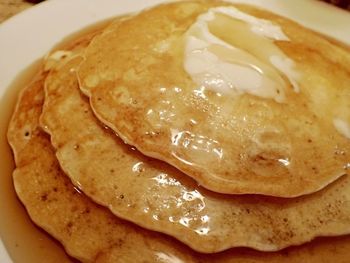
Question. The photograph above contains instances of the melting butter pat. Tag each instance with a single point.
(54, 58)
(243, 60)
(342, 127)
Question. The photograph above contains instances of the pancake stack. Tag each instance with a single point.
(195, 131)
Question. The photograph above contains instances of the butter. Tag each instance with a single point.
(54, 58)
(243, 60)
(60, 54)
(342, 127)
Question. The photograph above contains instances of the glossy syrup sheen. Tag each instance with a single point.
(23, 240)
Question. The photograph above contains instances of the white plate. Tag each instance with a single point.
(30, 35)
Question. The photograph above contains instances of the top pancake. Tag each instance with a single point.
(237, 143)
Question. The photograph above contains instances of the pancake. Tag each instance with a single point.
(156, 196)
(91, 233)
(263, 110)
